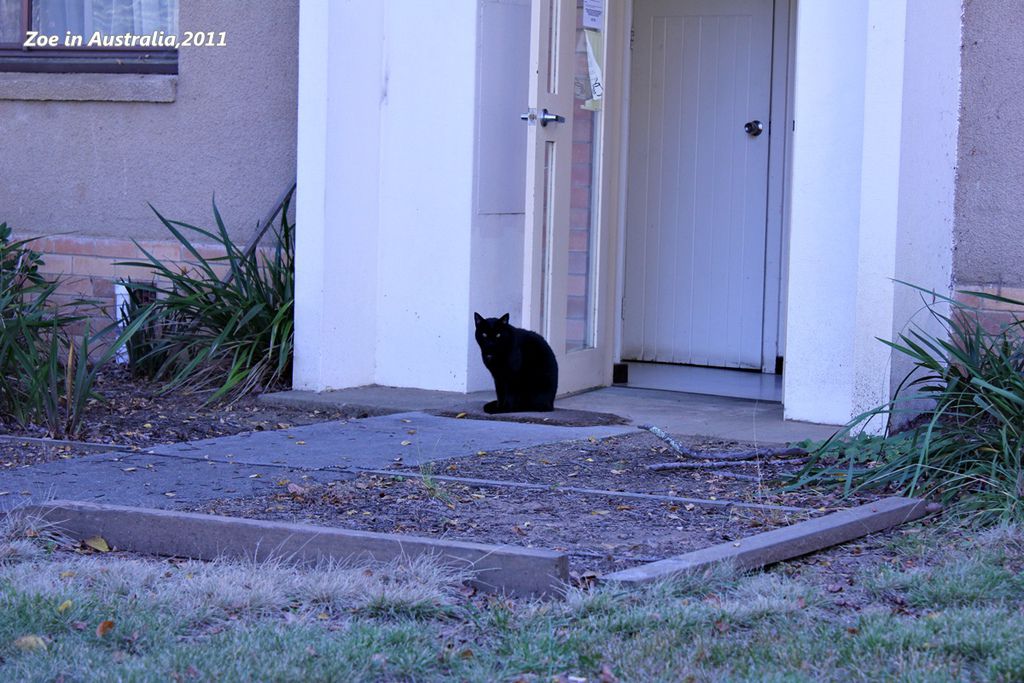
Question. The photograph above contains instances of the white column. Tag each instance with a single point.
(844, 206)
(385, 199)
(931, 109)
(341, 47)
(428, 111)
(879, 204)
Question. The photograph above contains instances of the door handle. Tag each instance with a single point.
(545, 117)
(753, 128)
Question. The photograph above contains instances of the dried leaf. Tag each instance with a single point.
(104, 627)
(30, 643)
(129, 469)
(599, 512)
(606, 675)
(460, 415)
(64, 607)
(97, 543)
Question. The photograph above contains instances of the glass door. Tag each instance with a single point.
(568, 267)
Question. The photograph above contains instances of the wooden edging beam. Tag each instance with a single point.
(785, 543)
(497, 568)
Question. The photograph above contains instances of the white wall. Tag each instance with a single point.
(412, 183)
(931, 93)
(859, 206)
(426, 190)
(500, 179)
(338, 203)
(828, 110)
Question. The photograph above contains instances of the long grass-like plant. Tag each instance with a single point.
(967, 447)
(47, 372)
(232, 332)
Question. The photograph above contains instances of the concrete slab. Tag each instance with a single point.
(375, 400)
(525, 572)
(785, 543)
(410, 438)
(561, 417)
(675, 412)
(146, 480)
(698, 414)
(251, 464)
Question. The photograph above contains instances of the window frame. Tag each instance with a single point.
(14, 57)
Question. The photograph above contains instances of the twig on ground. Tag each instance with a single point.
(658, 467)
(717, 503)
(752, 477)
(733, 455)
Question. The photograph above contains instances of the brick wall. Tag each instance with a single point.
(994, 315)
(86, 265)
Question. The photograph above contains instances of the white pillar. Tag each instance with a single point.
(384, 205)
(844, 206)
(340, 76)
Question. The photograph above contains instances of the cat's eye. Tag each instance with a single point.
(484, 335)
(497, 335)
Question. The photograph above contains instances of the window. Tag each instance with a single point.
(97, 36)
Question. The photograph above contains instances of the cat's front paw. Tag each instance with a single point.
(491, 408)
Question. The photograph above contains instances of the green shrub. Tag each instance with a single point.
(967, 448)
(233, 334)
(47, 374)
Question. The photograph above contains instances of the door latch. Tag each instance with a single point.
(545, 117)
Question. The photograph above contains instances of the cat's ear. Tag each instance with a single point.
(478, 318)
(503, 319)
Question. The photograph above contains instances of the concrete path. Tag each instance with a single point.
(177, 475)
(722, 417)
(675, 412)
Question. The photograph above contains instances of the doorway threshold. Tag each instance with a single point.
(711, 381)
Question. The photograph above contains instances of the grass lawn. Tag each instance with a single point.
(944, 604)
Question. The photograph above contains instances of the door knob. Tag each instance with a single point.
(545, 117)
(753, 128)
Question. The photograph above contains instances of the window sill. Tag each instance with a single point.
(85, 87)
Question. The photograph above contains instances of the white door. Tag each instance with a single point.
(568, 288)
(695, 229)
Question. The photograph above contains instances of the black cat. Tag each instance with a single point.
(523, 366)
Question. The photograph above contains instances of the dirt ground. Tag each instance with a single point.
(600, 532)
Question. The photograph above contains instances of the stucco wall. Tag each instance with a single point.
(89, 168)
(989, 230)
